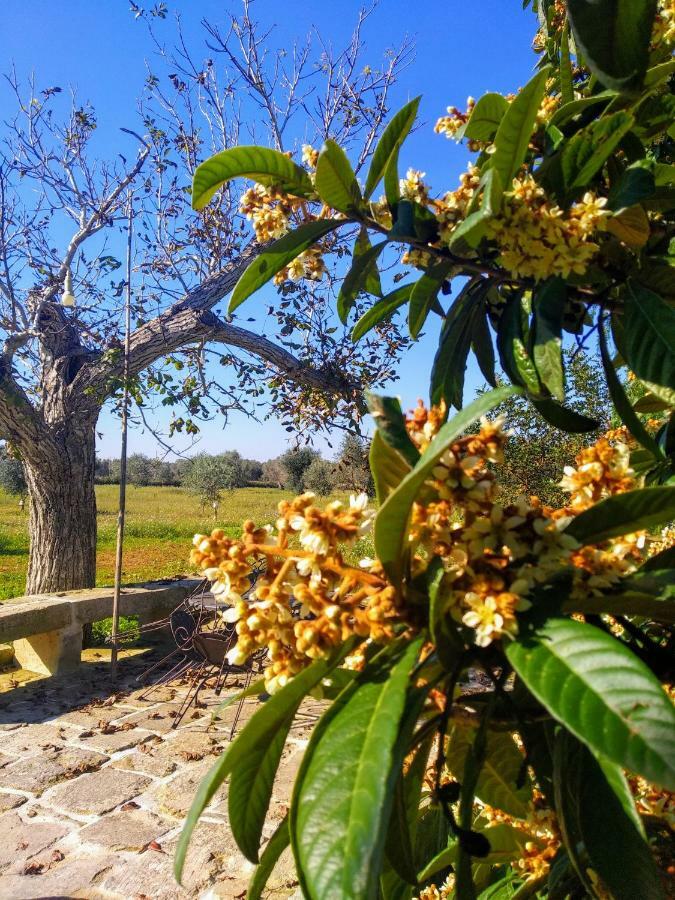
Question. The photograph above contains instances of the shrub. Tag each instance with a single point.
(320, 477)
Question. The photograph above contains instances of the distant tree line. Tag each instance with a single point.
(208, 475)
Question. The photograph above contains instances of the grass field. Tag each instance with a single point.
(160, 524)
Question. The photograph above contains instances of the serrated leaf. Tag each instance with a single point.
(566, 77)
(381, 311)
(515, 129)
(601, 692)
(274, 257)
(265, 166)
(501, 769)
(392, 518)
(649, 336)
(447, 373)
(355, 279)
(485, 118)
(268, 860)
(568, 111)
(646, 508)
(253, 740)
(389, 144)
(587, 801)
(548, 308)
(335, 181)
(342, 797)
(583, 155)
(513, 355)
(614, 38)
(390, 422)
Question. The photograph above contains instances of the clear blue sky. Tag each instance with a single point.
(463, 47)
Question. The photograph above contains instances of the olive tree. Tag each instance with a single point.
(62, 206)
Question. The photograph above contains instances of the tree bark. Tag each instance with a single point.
(62, 522)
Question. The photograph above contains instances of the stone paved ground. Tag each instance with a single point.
(94, 788)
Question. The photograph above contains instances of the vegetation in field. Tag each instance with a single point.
(161, 522)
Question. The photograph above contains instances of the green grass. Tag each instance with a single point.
(161, 522)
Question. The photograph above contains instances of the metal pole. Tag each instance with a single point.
(123, 458)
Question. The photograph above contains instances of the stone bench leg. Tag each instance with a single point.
(52, 652)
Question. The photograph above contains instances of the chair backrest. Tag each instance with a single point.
(183, 628)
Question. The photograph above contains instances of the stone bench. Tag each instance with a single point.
(46, 629)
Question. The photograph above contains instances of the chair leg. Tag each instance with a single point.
(240, 705)
(179, 669)
(193, 690)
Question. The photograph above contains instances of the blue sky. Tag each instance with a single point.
(462, 48)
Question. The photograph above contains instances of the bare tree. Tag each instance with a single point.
(61, 212)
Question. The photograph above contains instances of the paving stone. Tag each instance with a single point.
(99, 792)
(113, 743)
(148, 875)
(10, 801)
(89, 716)
(33, 739)
(167, 754)
(4, 760)
(176, 796)
(36, 775)
(69, 878)
(159, 719)
(21, 840)
(212, 854)
(130, 829)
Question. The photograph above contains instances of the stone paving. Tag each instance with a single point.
(94, 788)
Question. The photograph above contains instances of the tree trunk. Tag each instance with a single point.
(62, 524)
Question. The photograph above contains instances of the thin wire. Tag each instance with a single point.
(123, 459)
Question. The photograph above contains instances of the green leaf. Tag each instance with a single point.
(481, 344)
(506, 844)
(485, 118)
(389, 144)
(568, 111)
(635, 185)
(381, 311)
(564, 418)
(472, 229)
(343, 792)
(515, 129)
(614, 38)
(392, 518)
(663, 560)
(390, 421)
(583, 156)
(399, 844)
(252, 741)
(645, 508)
(622, 403)
(602, 693)
(501, 769)
(423, 296)
(335, 181)
(588, 802)
(548, 308)
(356, 278)
(392, 184)
(372, 283)
(268, 860)
(268, 167)
(255, 687)
(649, 336)
(274, 257)
(648, 594)
(513, 355)
(447, 373)
(388, 467)
(566, 78)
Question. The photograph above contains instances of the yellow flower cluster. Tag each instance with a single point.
(308, 600)
(452, 208)
(268, 209)
(413, 186)
(492, 554)
(310, 265)
(663, 34)
(449, 125)
(538, 240)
